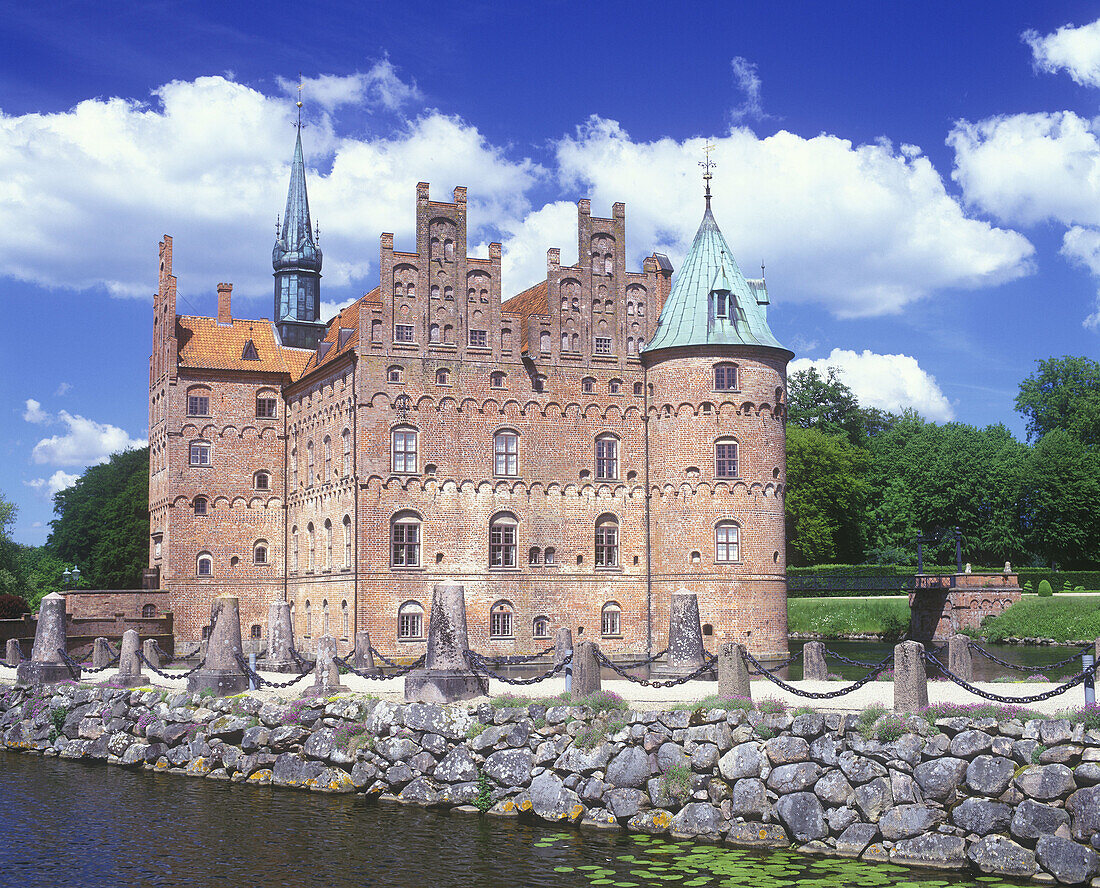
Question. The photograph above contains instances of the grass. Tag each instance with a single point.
(600, 701)
(829, 618)
(1062, 619)
(767, 705)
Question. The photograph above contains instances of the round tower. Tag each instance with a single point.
(716, 398)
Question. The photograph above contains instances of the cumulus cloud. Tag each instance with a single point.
(1082, 247)
(57, 482)
(33, 412)
(1071, 49)
(748, 83)
(85, 442)
(887, 382)
(379, 87)
(863, 229)
(63, 389)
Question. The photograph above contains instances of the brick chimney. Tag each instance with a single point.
(225, 293)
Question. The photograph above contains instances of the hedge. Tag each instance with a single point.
(1086, 579)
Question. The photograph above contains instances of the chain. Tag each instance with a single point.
(379, 676)
(260, 681)
(481, 664)
(163, 674)
(646, 661)
(70, 664)
(974, 647)
(303, 664)
(843, 659)
(708, 664)
(998, 698)
(779, 666)
(518, 659)
(826, 695)
(387, 660)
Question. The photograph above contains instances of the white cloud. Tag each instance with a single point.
(85, 443)
(63, 389)
(1071, 49)
(58, 481)
(863, 229)
(1082, 247)
(887, 382)
(329, 310)
(378, 87)
(748, 82)
(34, 412)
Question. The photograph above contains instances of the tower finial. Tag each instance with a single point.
(299, 102)
(707, 166)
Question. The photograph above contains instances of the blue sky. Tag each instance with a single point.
(922, 181)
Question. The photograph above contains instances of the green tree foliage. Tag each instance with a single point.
(44, 573)
(102, 522)
(12, 580)
(824, 403)
(826, 494)
(1063, 394)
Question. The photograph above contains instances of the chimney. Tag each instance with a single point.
(225, 314)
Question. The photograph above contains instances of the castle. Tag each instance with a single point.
(571, 455)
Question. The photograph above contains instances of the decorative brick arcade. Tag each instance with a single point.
(941, 606)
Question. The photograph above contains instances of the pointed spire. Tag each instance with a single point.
(295, 246)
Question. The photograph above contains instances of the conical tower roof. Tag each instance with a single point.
(296, 247)
(712, 303)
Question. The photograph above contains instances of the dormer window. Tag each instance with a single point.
(721, 304)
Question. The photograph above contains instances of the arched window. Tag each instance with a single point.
(311, 539)
(148, 611)
(435, 291)
(324, 617)
(727, 542)
(328, 459)
(502, 540)
(607, 541)
(588, 385)
(294, 468)
(410, 291)
(638, 390)
(404, 450)
(259, 552)
(347, 541)
(200, 505)
(433, 333)
(266, 405)
(375, 331)
(595, 263)
(725, 458)
(496, 379)
(544, 342)
(294, 549)
(309, 620)
(395, 374)
(611, 622)
(328, 544)
(565, 342)
(597, 305)
(564, 303)
(204, 565)
(506, 453)
(405, 539)
(540, 627)
(549, 556)
(575, 345)
(538, 384)
(448, 294)
(725, 377)
(262, 481)
(615, 387)
(442, 376)
(448, 249)
(347, 452)
(500, 620)
(344, 621)
(434, 248)
(607, 263)
(607, 456)
(630, 309)
(721, 303)
(534, 556)
(309, 464)
(410, 621)
(255, 632)
(200, 453)
(448, 334)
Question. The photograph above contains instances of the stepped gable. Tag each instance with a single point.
(532, 301)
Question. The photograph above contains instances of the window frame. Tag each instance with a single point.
(406, 433)
(508, 458)
(603, 346)
(415, 620)
(721, 373)
(478, 338)
(611, 620)
(266, 476)
(203, 398)
(207, 559)
(410, 548)
(722, 469)
(503, 541)
(540, 627)
(502, 623)
(266, 399)
(205, 452)
(723, 547)
(606, 466)
(606, 540)
(258, 547)
(405, 334)
(497, 379)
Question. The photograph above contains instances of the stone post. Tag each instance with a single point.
(101, 653)
(813, 662)
(733, 671)
(149, 649)
(280, 638)
(129, 664)
(685, 635)
(222, 671)
(910, 677)
(14, 653)
(364, 654)
(958, 657)
(326, 671)
(446, 676)
(563, 644)
(586, 669)
(45, 665)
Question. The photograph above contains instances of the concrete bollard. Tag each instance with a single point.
(813, 662)
(446, 676)
(364, 656)
(326, 671)
(685, 636)
(129, 664)
(959, 660)
(45, 665)
(586, 669)
(14, 653)
(733, 671)
(280, 638)
(149, 649)
(222, 672)
(101, 653)
(910, 677)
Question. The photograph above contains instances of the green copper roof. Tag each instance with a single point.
(711, 302)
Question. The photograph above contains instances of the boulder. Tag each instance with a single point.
(786, 750)
(906, 821)
(1033, 819)
(873, 798)
(1000, 856)
(934, 850)
(803, 816)
(630, 768)
(654, 823)
(421, 791)
(1054, 731)
(939, 778)
(839, 819)
(982, 817)
(989, 775)
(855, 839)
(750, 798)
(457, 766)
(550, 800)
(967, 744)
(1045, 782)
(509, 767)
(1067, 861)
(334, 780)
(834, 788)
(624, 803)
(794, 778)
(1084, 807)
(859, 769)
(753, 834)
(743, 760)
(698, 820)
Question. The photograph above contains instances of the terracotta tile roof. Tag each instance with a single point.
(348, 318)
(204, 343)
(532, 301)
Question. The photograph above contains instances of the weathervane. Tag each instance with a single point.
(299, 102)
(707, 166)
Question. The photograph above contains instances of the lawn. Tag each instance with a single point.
(838, 618)
(1062, 619)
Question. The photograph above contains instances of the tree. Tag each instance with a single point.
(1063, 394)
(12, 580)
(102, 522)
(826, 403)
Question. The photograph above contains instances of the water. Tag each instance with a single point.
(68, 823)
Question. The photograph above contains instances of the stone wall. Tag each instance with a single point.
(943, 606)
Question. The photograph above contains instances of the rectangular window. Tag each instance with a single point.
(603, 345)
(265, 408)
(403, 333)
(725, 460)
(410, 625)
(609, 622)
(200, 454)
(607, 545)
(500, 624)
(726, 543)
(198, 405)
(406, 545)
(479, 339)
(607, 458)
(502, 545)
(404, 451)
(506, 454)
(725, 378)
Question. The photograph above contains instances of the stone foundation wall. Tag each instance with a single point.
(962, 794)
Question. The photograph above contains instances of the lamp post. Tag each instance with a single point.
(71, 577)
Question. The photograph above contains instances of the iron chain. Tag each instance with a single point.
(517, 659)
(825, 695)
(386, 659)
(1032, 669)
(481, 664)
(708, 664)
(849, 661)
(163, 674)
(260, 681)
(998, 698)
(378, 676)
(778, 666)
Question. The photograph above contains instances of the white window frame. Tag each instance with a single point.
(201, 454)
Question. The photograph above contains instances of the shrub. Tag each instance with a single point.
(484, 800)
(865, 724)
(771, 706)
(676, 781)
(12, 607)
(1045, 591)
(713, 701)
(1027, 587)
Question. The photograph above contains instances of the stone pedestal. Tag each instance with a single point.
(813, 662)
(129, 664)
(910, 677)
(149, 649)
(733, 671)
(586, 669)
(280, 639)
(446, 676)
(958, 657)
(364, 657)
(45, 665)
(14, 653)
(101, 653)
(326, 672)
(563, 644)
(685, 638)
(222, 673)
